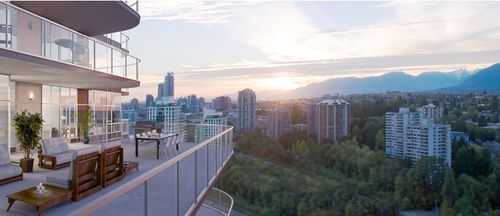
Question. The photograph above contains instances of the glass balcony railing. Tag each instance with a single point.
(25, 32)
(219, 201)
(134, 4)
(175, 186)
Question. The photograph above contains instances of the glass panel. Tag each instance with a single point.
(102, 58)
(118, 63)
(46, 114)
(26, 32)
(3, 25)
(4, 109)
(68, 113)
(12, 137)
(55, 130)
(58, 43)
(46, 91)
(131, 67)
(51, 111)
(4, 87)
(56, 95)
(84, 51)
(4, 120)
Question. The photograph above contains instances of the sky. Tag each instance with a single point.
(220, 48)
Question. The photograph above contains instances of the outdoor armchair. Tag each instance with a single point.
(8, 171)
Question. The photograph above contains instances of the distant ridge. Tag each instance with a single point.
(487, 79)
(394, 81)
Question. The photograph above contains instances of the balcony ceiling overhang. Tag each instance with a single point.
(27, 68)
(91, 18)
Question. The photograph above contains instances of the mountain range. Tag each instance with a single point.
(460, 81)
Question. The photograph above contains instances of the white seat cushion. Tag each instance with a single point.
(54, 145)
(4, 154)
(9, 171)
(104, 146)
(87, 150)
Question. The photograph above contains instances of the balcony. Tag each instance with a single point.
(217, 202)
(91, 18)
(37, 50)
(175, 184)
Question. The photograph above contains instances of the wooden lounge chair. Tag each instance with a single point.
(112, 169)
(55, 153)
(83, 177)
(8, 171)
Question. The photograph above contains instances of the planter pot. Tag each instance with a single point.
(86, 140)
(27, 164)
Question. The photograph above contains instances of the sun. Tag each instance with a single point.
(280, 83)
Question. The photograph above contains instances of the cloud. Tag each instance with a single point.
(204, 12)
(416, 28)
(296, 50)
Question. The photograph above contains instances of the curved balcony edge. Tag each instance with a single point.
(100, 17)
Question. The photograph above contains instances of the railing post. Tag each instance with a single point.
(196, 176)
(215, 171)
(146, 208)
(207, 165)
(112, 60)
(177, 189)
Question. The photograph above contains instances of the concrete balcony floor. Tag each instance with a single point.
(161, 188)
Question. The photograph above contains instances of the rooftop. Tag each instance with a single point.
(333, 102)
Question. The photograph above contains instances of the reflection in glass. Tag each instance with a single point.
(25, 32)
(4, 28)
(58, 43)
(102, 58)
(83, 51)
(118, 63)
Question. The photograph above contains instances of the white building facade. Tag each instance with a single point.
(167, 116)
(410, 136)
(431, 112)
(211, 124)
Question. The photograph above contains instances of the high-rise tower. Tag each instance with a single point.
(246, 111)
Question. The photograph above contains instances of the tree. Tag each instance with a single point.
(449, 191)
(380, 140)
(475, 162)
(473, 198)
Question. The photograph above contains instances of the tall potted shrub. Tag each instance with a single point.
(28, 132)
(85, 123)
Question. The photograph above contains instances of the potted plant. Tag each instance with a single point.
(28, 132)
(85, 123)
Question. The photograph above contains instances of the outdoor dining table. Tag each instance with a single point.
(157, 137)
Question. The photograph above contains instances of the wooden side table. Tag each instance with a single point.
(130, 165)
(53, 196)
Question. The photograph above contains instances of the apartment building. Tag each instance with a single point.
(431, 112)
(428, 140)
(247, 116)
(222, 103)
(311, 119)
(411, 136)
(332, 119)
(168, 117)
(211, 117)
(279, 123)
(57, 63)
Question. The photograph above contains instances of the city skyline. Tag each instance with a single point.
(330, 44)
